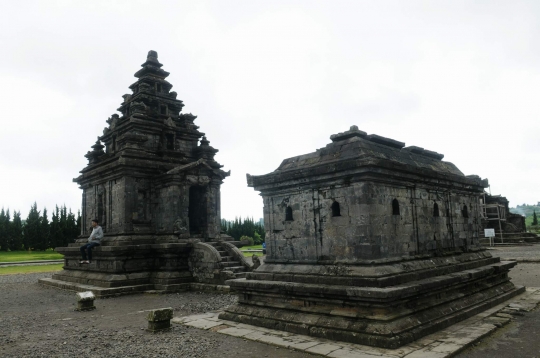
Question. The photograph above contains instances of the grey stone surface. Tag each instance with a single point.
(370, 242)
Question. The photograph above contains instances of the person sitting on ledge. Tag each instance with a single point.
(93, 241)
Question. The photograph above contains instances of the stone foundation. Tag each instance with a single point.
(119, 269)
(379, 305)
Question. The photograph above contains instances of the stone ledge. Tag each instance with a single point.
(101, 292)
(443, 344)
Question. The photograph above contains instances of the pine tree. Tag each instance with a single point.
(535, 219)
(246, 227)
(53, 237)
(31, 228)
(8, 229)
(44, 232)
(17, 232)
(3, 231)
(72, 231)
(63, 241)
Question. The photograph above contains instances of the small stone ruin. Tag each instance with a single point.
(159, 319)
(370, 242)
(85, 301)
(153, 184)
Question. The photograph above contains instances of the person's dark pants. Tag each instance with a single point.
(88, 247)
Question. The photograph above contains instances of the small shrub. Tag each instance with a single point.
(247, 238)
(257, 239)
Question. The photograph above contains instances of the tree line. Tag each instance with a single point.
(246, 227)
(37, 232)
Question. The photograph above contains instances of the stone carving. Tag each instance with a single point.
(180, 226)
(205, 263)
(378, 242)
(169, 122)
(256, 261)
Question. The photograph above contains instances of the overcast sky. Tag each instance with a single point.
(270, 80)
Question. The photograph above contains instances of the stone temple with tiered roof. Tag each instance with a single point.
(370, 242)
(154, 186)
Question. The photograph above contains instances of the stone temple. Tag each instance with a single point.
(154, 186)
(370, 242)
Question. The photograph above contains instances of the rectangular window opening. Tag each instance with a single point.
(170, 141)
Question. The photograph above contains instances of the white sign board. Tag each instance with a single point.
(489, 232)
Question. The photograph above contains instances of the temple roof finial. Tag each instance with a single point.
(152, 56)
(152, 61)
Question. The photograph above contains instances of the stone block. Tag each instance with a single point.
(85, 301)
(159, 319)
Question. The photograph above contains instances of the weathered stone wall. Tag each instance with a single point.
(205, 263)
(213, 211)
(116, 222)
(172, 204)
(366, 227)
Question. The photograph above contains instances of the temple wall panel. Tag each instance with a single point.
(117, 188)
(367, 226)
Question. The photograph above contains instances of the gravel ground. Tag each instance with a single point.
(37, 321)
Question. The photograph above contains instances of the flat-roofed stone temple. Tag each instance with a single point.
(370, 242)
(154, 186)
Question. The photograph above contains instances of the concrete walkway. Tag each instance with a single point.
(31, 263)
(523, 254)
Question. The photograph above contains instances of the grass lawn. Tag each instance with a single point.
(249, 254)
(16, 256)
(12, 270)
(254, 247)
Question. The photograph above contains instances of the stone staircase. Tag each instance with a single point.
(229, 262)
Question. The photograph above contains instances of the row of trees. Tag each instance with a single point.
(37, 232)
(244, 227)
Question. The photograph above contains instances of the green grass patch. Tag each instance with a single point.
(249, 254)
(13, 270)
(16, 256)
(254, 247)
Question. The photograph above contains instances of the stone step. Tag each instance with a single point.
(231, 264)
(227, 258)
(236, 269)
(240, 274)
(223, 253)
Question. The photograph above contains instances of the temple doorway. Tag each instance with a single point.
(197, 210)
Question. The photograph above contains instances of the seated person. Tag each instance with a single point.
(93, 241)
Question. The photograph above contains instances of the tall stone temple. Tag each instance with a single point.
(370, 242)
(153, 184)
(155, 175)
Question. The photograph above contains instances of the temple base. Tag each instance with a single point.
(120, 267)
(386, 317)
